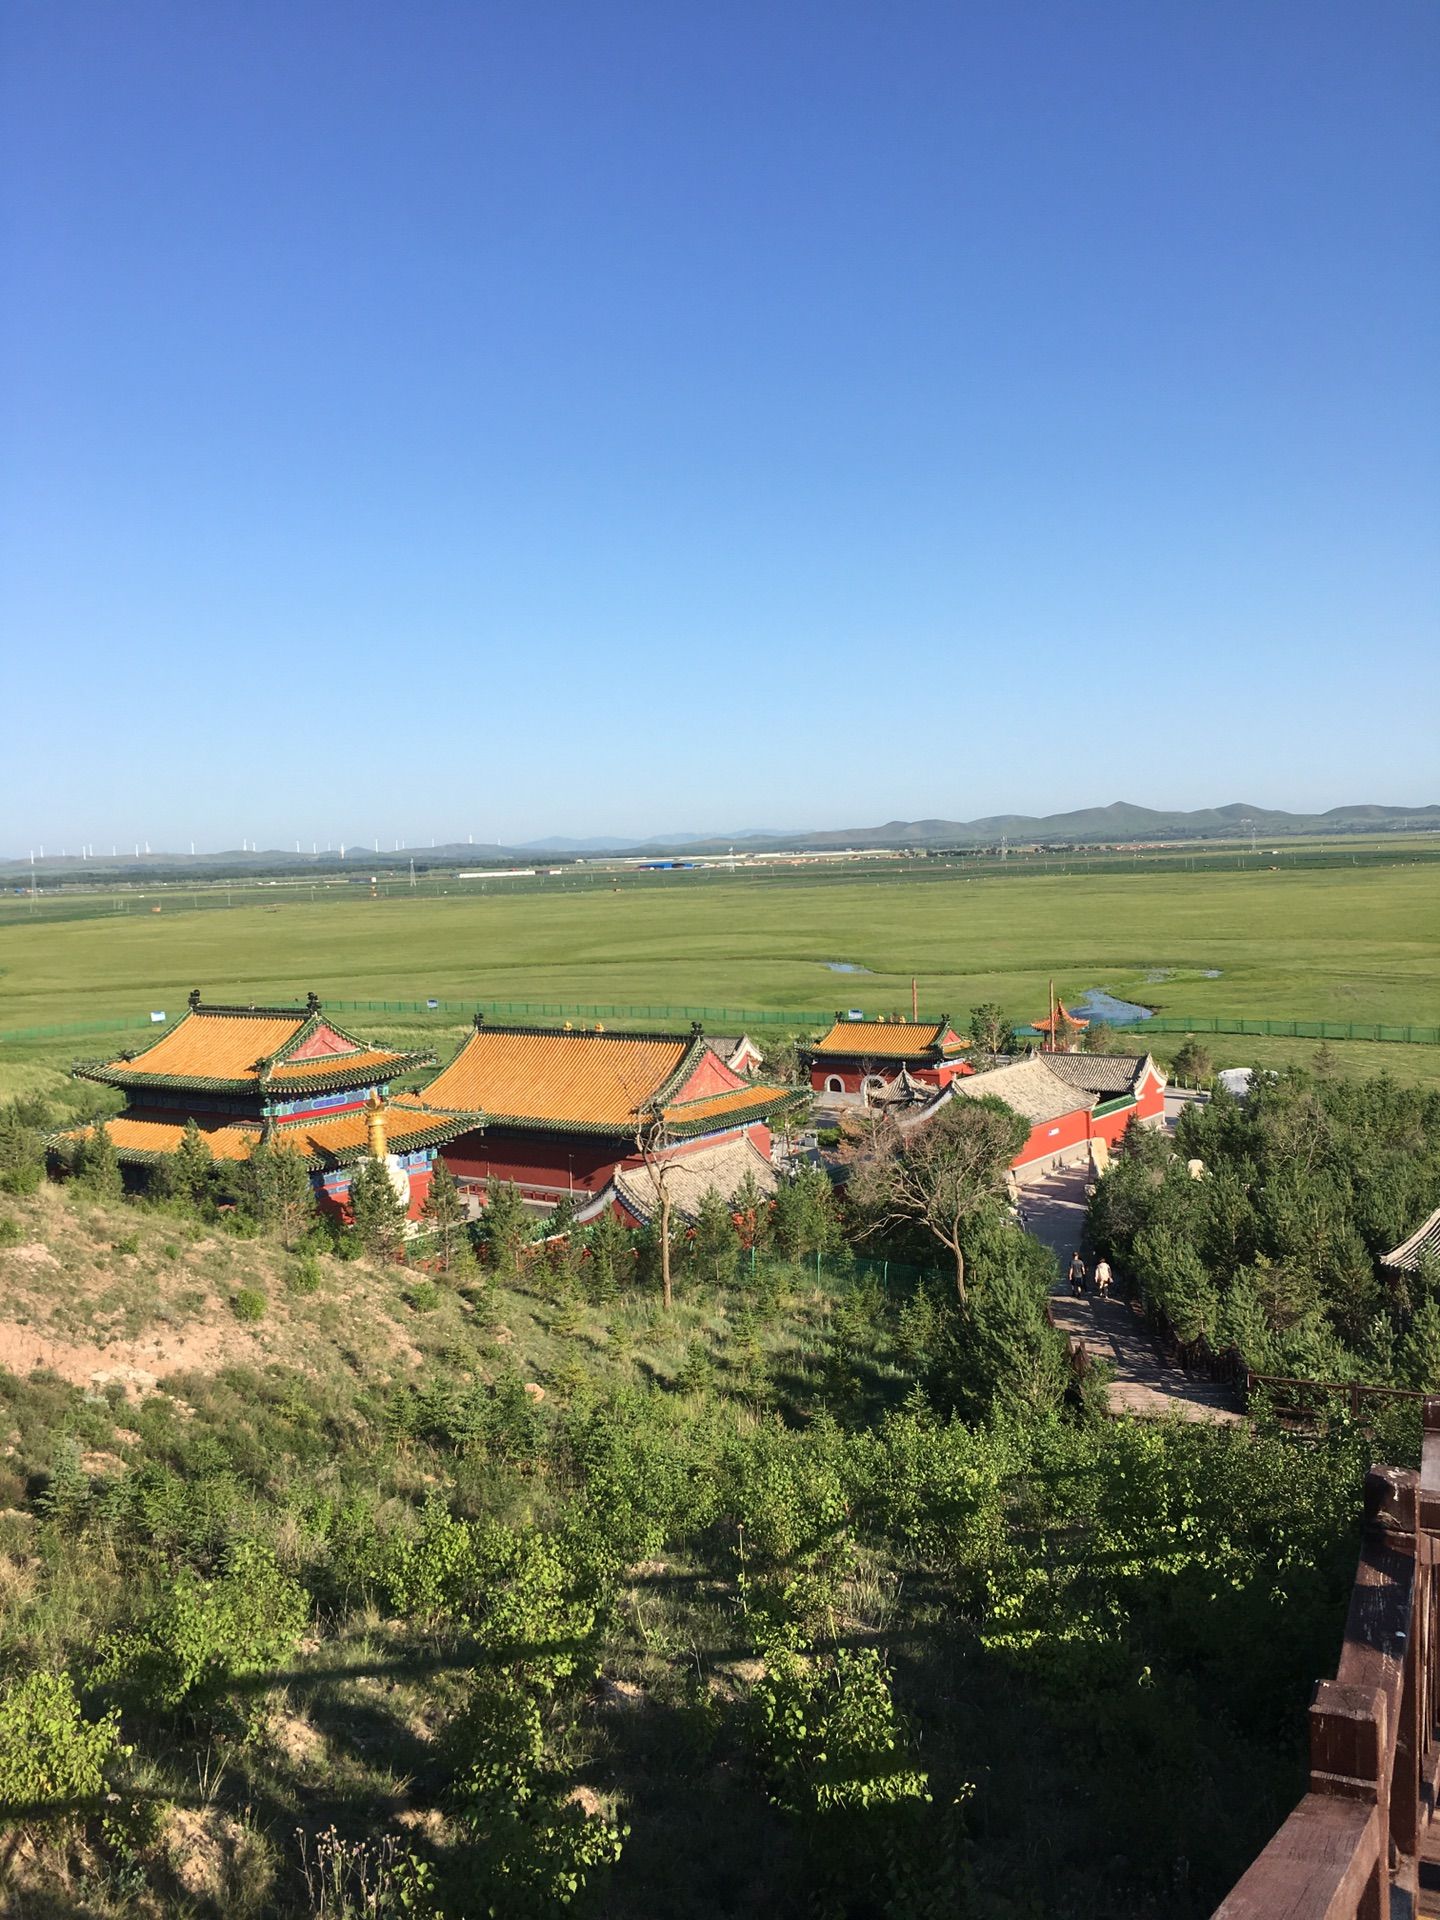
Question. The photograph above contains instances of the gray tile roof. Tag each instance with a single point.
(691, 1176)
(1030, 1088)
(1104, 1073)
(1423, 1244)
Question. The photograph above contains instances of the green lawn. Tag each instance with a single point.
(1330, 944)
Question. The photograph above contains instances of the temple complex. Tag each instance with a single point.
(566, 1112)
(286, 1075)
(858, 1059)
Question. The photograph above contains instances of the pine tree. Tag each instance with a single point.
(716, 1245)
(508, 1225)
(1193, 1065)
(612, 1258)
(254, 1179)
(1420, 1348)
(292, 1195)
(377, 1216)
(445, 1214)
(98, 1164)
(192, 1169)
(750, 1209)
(22, 1152)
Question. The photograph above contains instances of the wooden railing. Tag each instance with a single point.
(1363, 1829)
(1286, 1393)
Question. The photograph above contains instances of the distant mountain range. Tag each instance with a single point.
(1121, 822)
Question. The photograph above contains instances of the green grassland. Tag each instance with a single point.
(1338, 944)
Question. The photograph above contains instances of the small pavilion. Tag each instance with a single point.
(1061, 1028)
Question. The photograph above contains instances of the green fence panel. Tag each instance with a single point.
(726, 1018)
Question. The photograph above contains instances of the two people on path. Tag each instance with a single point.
(1103, 1277)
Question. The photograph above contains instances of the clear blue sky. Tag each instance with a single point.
(519, 419)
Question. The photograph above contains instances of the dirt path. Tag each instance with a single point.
(1142, 1382)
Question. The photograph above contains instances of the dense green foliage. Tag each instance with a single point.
(1275, 1247)
(809, 1598)
(824, 1593)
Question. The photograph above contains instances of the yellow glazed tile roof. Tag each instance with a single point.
(228, 1046)
(718, 1106)
(602, 1079)
(215, 1046)
(882, 1040)
(142, 1132)
(330, 1063)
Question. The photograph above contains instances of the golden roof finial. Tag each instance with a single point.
(375, 1125)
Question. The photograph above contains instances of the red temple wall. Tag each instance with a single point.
(557, 1163)
(1051, 1137)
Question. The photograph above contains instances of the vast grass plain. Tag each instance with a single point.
(1331, 943)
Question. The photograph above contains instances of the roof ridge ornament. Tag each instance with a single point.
(312, 1001)
(194, 1000)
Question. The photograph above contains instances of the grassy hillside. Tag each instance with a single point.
(449, 1596)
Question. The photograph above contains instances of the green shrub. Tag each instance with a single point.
(49, 1752)
(430, 1572)
(305, 1275)
(829, 1735)
(127, 1243)
(10, 1234)
(422, 1296)
(22, 1148)
(249, 1304)
(205, 1633)
(531, 1850)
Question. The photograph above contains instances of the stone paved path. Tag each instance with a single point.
(1142, 1382)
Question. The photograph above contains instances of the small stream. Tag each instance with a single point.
(1096, 1004)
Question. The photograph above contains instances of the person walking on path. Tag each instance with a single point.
(1103, 1277)
(1077, 1275)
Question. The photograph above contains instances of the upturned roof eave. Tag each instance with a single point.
(337, 1080)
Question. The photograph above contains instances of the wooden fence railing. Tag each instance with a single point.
(1364, 1828)
(1286, 1393)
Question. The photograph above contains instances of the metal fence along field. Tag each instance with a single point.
(724, 1019)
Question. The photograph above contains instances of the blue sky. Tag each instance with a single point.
(527, 419)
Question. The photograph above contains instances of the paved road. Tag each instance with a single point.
(1176, 1101)
(1141, 1381)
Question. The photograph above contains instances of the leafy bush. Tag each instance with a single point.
(829, 1736)
(531, 1848)
(203, 1634)
(249, 1304)
(423, 1296)
(305, 1275)
(50, 1754)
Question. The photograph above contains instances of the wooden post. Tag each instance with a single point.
(1347, 1761)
